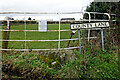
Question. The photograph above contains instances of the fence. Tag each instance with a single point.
(59, 21)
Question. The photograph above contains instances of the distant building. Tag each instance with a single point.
(49, 19)
(9, 18)
(67, 19)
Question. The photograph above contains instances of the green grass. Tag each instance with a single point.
(38, 36)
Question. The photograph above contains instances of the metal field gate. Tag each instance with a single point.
(57, 19)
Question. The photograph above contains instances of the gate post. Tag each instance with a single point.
(6, 35)
(59, 32)
(89, 29)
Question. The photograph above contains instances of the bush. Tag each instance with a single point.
(88, 65)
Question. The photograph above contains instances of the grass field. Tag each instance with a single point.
(39, 36)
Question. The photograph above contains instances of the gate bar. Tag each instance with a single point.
(49, 40)
(37, 49)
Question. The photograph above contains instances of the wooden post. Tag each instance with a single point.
(6, 35)
(69, 42)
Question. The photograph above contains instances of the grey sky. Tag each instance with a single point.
(44, 6)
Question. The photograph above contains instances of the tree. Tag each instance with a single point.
(29, 18)
(102, 7)
(117, 11)
(107, 7)
(118, 30)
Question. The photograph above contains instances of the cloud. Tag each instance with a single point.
(43, 5)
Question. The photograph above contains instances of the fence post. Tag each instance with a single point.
(25, 27)
(6, 35)
(0, 35)
(89, 29)
(59, 32)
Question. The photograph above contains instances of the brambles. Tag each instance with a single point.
(37, 66)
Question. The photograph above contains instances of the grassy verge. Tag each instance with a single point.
(87, 65)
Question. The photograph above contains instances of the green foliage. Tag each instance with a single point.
(103, 65)
(88, 65)
(103, 7)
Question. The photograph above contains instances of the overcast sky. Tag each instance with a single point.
(43, 5)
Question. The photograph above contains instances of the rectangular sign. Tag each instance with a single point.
(42, 26)
(89, 25)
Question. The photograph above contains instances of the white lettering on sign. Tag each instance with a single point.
(89, 25)
(42, 26)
